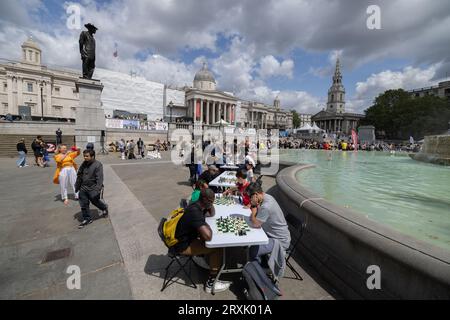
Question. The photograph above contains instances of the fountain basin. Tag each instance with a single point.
(344, 246)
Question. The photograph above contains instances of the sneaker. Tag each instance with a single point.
(219, 287)
(26, 165)
(85, 223)
(104, 213)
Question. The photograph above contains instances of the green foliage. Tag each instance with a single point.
(295, 119)
(400, 116)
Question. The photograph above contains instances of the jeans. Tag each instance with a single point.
(22, 159)
(90, 197)
(255, 252)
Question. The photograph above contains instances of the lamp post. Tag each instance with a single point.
(42, 101)
(170, 107)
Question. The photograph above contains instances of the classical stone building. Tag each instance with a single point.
(334, 119)
(442, 90)
(207, 105)
(29, 88)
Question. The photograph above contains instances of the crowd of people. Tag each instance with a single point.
(130, 149)
(346, 145)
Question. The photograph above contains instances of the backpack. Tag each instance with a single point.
(259, 286)
(170, 227)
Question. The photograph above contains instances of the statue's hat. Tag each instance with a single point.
(90, 26)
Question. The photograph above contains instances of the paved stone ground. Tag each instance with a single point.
(120, 257)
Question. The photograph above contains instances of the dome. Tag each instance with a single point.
(204, 75)
(31, 44)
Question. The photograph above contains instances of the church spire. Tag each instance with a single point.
(336, 94)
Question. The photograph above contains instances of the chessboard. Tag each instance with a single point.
(224, 201)
(230, 225)
(229, 174)
(228, 180)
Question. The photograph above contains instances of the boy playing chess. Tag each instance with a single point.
(241, 187)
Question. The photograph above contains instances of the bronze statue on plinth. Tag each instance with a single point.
(87, 50)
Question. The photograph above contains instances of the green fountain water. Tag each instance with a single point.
(409, 196)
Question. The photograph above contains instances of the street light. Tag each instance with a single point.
(42, 100)
(170, 107)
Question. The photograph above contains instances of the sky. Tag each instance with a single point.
(257, 49)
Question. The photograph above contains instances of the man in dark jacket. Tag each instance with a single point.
(89, 184)
(58, 136)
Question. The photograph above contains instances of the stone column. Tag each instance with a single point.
(9, 83)
(39, 100)
(208, 105)
(48, 100)
(201, 110)
(19, 91)
(90, 117)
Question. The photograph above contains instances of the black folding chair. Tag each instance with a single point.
(300, 227)
(174, 257)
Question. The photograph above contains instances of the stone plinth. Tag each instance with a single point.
(90, 119)
(366, 134)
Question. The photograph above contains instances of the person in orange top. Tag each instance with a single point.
(66, 170)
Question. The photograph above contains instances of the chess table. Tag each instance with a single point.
(226, 179)
(220, 239)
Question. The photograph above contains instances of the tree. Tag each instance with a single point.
(400, 116)
(295, 119)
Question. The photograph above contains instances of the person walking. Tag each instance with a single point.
(122, 148)
(131, 154)
(66, 170)
(22, 150)
(89, 184)
(140, 145)
(58, 136)
(37, 147)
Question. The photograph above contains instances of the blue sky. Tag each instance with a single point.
(256, 48)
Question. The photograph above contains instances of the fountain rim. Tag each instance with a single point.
(415, 253)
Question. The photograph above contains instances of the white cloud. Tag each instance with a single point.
(269, 67)
(407, 79)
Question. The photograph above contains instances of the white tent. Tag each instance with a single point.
(316, 128)
(307, 127)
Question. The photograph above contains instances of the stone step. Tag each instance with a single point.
(8, 143)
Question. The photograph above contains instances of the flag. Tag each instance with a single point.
(116, 52)
(355, 138)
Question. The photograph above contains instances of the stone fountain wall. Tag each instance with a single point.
(436, 149)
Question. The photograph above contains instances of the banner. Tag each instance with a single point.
(131, 124)
(114, 123)
(162, 126)
(355, 138)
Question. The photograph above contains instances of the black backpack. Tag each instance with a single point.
(259, 286)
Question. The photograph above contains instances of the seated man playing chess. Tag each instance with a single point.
(267, 214)
(241, 187)
(193, 231)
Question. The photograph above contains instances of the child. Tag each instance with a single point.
(199, 186)
(241, 187)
